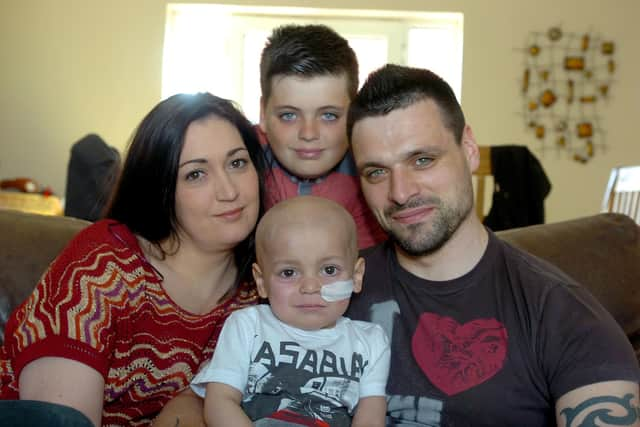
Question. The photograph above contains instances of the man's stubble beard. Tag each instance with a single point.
(421, 239)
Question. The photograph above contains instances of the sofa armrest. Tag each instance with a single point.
(602, 252)
(28, 243)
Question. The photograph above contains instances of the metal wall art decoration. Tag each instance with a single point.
(566, 77)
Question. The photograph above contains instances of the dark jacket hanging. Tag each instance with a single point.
(521, 186)
(91, 174)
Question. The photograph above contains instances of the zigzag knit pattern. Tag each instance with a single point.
(101, 303)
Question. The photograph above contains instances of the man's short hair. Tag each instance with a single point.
(307, 51)
(393, 87)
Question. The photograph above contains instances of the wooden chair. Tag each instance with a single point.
(623, 192)
(482, 174)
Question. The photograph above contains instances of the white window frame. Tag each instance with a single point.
(204, 44)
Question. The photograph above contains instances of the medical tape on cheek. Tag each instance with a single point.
(337, 291)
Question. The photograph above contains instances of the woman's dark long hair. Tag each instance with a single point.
(144, 198)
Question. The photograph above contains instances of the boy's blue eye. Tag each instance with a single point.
(329, 117)
(287, 117)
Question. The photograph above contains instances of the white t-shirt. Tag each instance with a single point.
(279, 368)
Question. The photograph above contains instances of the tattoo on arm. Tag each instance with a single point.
(588, 412)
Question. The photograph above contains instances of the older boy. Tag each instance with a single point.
(308, 76)
(297, 359)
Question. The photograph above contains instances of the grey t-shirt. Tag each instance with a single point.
(495, 347)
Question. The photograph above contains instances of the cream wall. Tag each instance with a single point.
(71, 67)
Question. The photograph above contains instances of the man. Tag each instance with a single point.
(481, 333)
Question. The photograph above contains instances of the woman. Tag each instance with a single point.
(126, 314)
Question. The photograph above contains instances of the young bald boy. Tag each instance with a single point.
(308, 77)
(297, 359)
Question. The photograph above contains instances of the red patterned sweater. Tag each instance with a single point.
(101, 303)
(342, 185)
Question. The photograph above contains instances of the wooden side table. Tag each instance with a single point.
(31, 202)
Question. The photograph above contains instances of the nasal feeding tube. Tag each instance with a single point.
(336, 291)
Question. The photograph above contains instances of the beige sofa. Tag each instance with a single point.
(600, 251)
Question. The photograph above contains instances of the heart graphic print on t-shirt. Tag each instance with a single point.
(457, 357)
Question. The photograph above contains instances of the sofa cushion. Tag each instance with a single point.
(602, 252)
(28, 243)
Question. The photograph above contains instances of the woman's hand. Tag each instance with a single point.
(186, 409)
(66, 382)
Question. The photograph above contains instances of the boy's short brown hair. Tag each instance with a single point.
(307, 51)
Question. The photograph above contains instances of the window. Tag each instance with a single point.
(217, 48)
